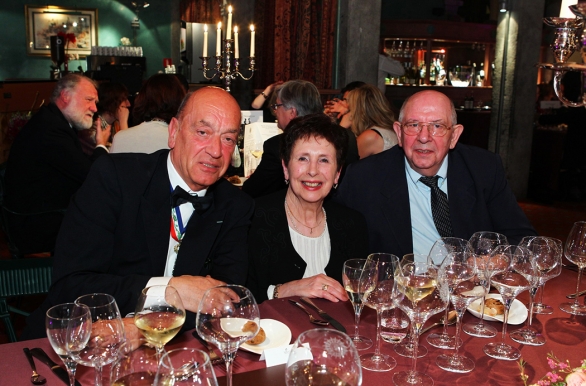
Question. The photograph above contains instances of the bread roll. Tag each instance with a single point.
(259, 338)
(494, 307)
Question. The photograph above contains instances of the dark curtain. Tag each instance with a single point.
(200, 11)
(295, 40)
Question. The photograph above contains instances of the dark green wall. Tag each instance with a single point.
(113, 23)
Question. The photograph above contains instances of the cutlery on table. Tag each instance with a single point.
(337, 325)
(36, 378)
(312, 318)
(451, 320)
(55, 368)
(214, 358)
(574, 296)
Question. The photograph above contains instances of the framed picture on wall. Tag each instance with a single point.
(78, 26)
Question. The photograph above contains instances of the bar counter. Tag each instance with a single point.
(565, 335)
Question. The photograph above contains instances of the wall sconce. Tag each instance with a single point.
(503, 6)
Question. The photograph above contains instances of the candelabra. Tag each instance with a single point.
(226, 72)
(568, 38)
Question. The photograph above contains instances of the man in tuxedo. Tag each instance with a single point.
(430, 186)
(46, 164)
(295, 98)
(132, 225)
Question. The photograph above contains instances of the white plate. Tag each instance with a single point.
(278, 335)
(517, 313)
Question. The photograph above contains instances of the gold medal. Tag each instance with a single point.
(176, 247)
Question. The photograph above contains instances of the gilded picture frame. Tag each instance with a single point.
(42, 22)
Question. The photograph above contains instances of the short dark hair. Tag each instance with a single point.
(318, 126)
(68, 83)
(302, 95)
(352, 86)
(111, 96)
(160, 97)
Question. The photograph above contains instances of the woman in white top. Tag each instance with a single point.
(154, 106)
(371, 119)
(298, 243)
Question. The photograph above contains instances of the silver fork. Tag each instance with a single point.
(214, 358)
(312, 318)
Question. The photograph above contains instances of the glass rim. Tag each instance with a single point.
(62, 305)
(198, 365)
(111, 299)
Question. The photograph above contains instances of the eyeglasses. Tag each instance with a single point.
(276, 106)
(436, 129)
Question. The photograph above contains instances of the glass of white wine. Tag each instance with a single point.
(351, 273)
(324, 357)
(159, 315)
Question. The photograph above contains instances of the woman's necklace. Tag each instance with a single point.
(295, 218)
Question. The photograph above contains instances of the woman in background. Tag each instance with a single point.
(298, 242)
(371, 119)
(154, 106)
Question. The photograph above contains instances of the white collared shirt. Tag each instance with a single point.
(186, 212)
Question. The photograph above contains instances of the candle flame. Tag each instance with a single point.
(252, 27)
(205, 28)
(230, 9)
(220, 25)
(235, 29)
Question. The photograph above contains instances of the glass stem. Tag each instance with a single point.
(541, 293)
(480, 324)
(577, 302)
(458, 329)
(98, 372)
(532, 292)
(229, 360)
(71, 366)
(356, 322)
(415, 342)
(445, 329)
(378, 331)
(506, 318)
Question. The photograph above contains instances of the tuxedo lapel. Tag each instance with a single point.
(396, 209)
(156, 215)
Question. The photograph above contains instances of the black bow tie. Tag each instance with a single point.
(200, 204)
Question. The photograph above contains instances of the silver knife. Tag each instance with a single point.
(57, 370)
(574, 296)
(337, 325)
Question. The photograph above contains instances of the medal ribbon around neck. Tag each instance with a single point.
(177, 228)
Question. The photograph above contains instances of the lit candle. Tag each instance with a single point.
(252, 40)
(236, 51)
(219, 39)
(229, 29)
(205, 40)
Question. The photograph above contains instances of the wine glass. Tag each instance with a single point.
(159, 315)
(420, 295)
(228, 316)
(185, 366)
(323, 356)
(546, 257)
(575, 252)
(458, 270)
(134, 365)
(539, 307)
(379, 294)
(107, 333)
(57, 321)
(482, 244)
(517, 278)
(351, 274)
(406, 347)
(439, 251)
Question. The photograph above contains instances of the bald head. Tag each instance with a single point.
(203, 135)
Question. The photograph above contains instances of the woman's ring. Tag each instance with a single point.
(324, 287)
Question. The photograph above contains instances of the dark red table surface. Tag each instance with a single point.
(565, 334)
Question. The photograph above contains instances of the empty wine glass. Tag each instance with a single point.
(185, 366)
(134, 365)
(406, 347)
(159, 315)
(379, 294)
(323, 356)
(539, 307)
(228, 316)
(107, 333)
(546, 257)
(458, 270)
(351, 274)
(517, 278)
(420, 295)
(68, 329)
(575, 252)
(482, 244)
(439, 251)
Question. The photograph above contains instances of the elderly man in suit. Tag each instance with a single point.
(430, 186)
(295, 98)
(135, 222)
(46, 164)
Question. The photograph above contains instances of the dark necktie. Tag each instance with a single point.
(440, 208)
(200, 204)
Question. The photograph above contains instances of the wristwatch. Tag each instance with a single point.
(276, 291)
